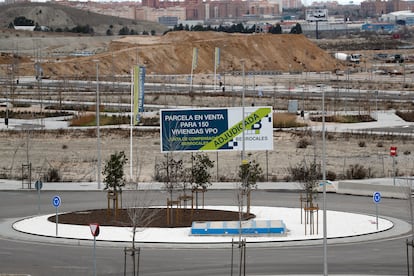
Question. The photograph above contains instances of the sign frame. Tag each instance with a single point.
(216, 129)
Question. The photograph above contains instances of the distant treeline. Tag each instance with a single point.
(238, 28)
(82, 29)
(86, 29)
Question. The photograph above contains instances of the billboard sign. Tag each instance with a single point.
(316, 15)
(216, 129)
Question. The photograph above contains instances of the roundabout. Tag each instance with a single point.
(340, 225)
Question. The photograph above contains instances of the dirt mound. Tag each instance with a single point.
(172, 54)
(148, 217)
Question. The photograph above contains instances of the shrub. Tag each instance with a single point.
(52, 175)
(330, 175)
(357, 171)
(302, 143)
(286, 120)
(380, 145)
(362, 144)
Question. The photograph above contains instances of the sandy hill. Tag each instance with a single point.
(172, 54)
(56, 16)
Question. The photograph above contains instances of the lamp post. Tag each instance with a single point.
(97, 125)
(325, 250)
(243, 161)
(244, 124)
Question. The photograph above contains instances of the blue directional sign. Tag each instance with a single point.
(376, 197)
(38, 185)
(56, 201)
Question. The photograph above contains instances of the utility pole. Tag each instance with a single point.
(98, 125)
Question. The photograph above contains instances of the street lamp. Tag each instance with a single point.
(244, 124)
(325, 250)
(97, 125)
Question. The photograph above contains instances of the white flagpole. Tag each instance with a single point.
(191, 78)
(193, 66)
(215, 70)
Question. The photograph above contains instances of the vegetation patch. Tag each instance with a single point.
(32, 115)
(286, 120)
(344, 119)
(90, 120)
(185, 217)
(406, 116)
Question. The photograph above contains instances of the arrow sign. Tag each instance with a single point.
(376, 197)
(94, 229)
(56, 201)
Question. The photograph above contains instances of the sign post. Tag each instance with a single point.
(393, 153)
(38, 186)
(376, 197)
(56, 203)
(95, 232)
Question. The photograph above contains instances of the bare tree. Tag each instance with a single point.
(141, 215)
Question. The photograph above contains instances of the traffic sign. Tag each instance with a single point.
(56, 201)
(38, 185)
(94, 229)
(393, 151)
(376, 197)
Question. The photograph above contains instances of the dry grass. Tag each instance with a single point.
(286, 120)
(90, 120)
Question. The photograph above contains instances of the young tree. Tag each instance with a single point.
(200, 173)
(297, 29)
(308, 175)
(114, 175)
(173, 174)
(277, 29)
(249, 173)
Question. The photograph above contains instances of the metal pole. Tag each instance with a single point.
(243, 160)
(267, 165)
(38, 198)
(408, 259)
(217, 166)
(412, 257)
(393, 170)
(57, 221)
(98, 125)
(94, 255)
(232, 258)
(7, 110)
(325, 250)
(131, 122)
(244, 257)
(244, 124)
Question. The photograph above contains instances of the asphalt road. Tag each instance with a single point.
(380, 257)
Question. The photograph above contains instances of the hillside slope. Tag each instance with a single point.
(58, 16)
